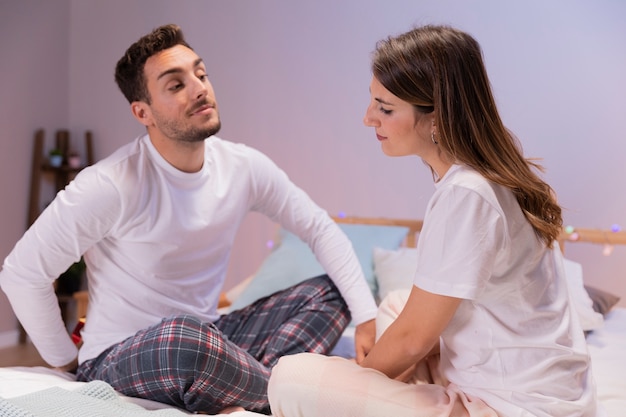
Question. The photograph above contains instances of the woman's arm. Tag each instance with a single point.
(414, 334)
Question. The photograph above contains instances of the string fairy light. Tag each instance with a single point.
(572, 234)
(607, 250)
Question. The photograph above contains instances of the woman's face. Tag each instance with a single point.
(400, 129)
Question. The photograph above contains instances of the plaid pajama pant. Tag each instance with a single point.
(207, 367)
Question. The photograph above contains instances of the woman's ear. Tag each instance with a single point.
(141, 112)
(433, 117)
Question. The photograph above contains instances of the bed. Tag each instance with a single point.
(386, 251)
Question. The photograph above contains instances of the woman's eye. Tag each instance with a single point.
(384, 111)
(203, 77)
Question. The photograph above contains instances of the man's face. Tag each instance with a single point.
(183, 106)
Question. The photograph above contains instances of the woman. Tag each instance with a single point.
(489, 311)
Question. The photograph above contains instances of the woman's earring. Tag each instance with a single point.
(432, 137)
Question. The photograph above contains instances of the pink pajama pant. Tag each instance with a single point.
(311, 385)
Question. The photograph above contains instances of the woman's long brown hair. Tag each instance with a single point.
(438, 68)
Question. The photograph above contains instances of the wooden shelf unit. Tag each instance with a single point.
(61, 176)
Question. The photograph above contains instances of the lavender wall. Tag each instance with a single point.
(34, 93)
(292, 80)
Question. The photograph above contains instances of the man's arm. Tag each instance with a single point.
(37, 308)
(277, 197)
(57, 239)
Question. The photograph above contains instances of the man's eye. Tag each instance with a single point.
(176, 87)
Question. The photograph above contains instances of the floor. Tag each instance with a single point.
(20, 355)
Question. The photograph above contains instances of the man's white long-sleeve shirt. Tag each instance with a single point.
(157, 242)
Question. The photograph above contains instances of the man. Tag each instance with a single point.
(155, 222)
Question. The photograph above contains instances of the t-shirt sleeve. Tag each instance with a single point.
(458, 247)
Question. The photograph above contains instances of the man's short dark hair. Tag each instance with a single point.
(129, 74)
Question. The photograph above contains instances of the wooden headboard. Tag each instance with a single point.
(569, 234)
(596, 236)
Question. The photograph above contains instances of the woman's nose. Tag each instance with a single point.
(368, 120)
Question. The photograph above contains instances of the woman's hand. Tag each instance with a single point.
(413, 335)
(364, 339)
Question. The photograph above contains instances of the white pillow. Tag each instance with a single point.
(395, 269)
(589, 318)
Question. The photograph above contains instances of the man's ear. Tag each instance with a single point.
(141, 111)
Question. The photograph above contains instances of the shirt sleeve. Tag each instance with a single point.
(458, 247)
(276, 196)
(76, 218)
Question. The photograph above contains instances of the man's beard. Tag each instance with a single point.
(178, 131)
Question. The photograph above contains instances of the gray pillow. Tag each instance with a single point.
(603, 301)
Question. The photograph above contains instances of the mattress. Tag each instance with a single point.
(607, 346)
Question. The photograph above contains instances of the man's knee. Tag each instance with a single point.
(184, 326)
(190, 338)
(322, 289)
(322, 286)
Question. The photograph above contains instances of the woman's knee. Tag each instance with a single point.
(293, 377)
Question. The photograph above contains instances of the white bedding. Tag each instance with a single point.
(19, 381)
(607, 347)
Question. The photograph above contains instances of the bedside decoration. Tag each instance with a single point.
(55, 157)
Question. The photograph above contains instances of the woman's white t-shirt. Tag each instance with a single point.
(515, 341)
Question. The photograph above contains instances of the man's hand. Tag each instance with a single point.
(364, 339)
(70, 367)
